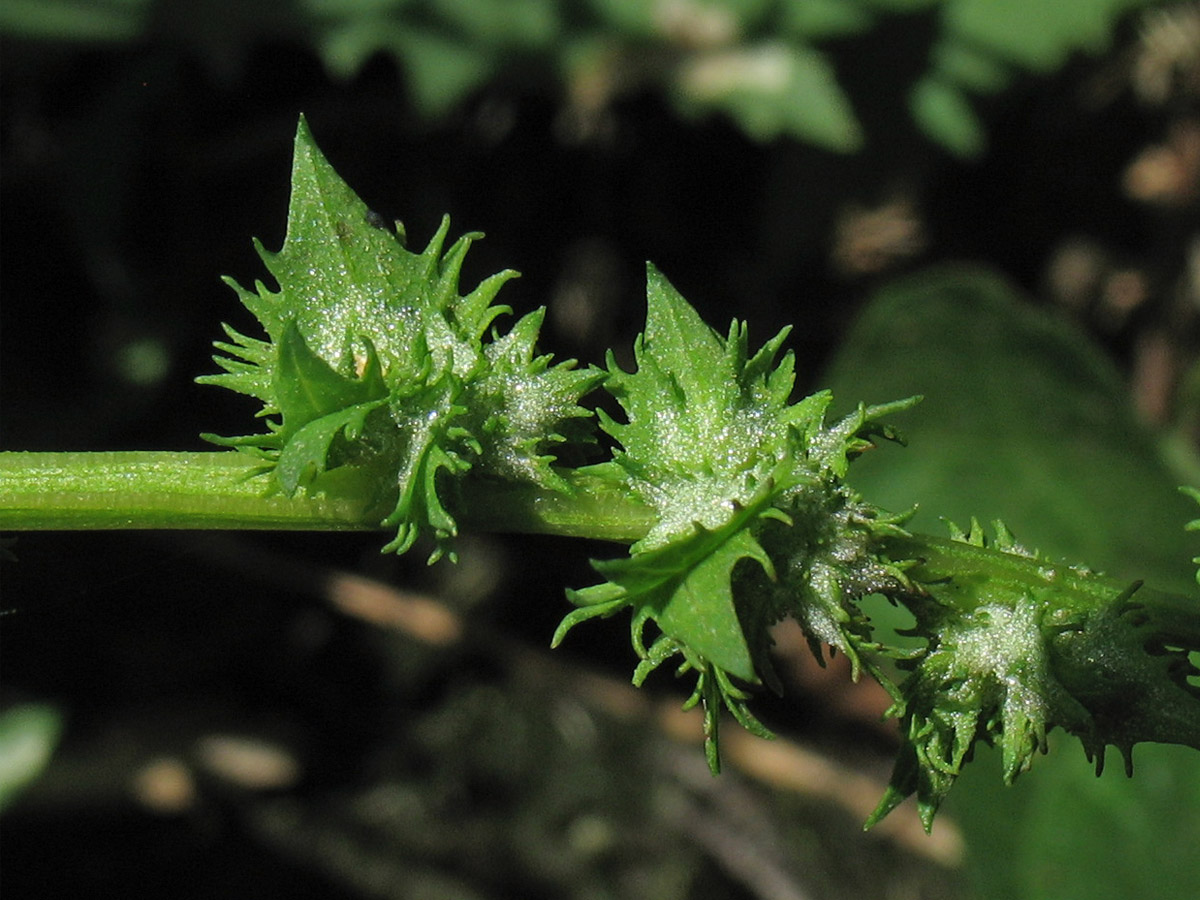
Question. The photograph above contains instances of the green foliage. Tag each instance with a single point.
(378, 374)
(772, 89)
(944, 112)
(1031, 34)
(755, 60)
(377, 377)
(758, 61)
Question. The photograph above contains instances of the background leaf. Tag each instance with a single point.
(28, 735)
(1024, 420)
(120, 205)
(773, 89)
(944, 113)
(1033, 33)
(761, 63)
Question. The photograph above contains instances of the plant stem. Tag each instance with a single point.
(1176, 616)
(225, 489)
(942, 558)
(592, 509)
(153, 489)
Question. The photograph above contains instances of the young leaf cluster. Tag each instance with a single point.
(740, 479)
(378, 376)
(1014, 651)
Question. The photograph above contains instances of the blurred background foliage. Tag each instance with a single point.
(990, 202)
(759, 61)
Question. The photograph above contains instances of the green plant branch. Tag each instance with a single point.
(228, 490)
(392, 401)
(941, 559)
(590, 509)
(157, 489)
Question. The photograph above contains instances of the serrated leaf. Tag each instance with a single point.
(248, 364)
(707, 424)
(685, 587)
(714, 446)
(420, 505)
(700, 610)
(1024, 420)
(342, 279)
(359, 324)
(531, 405)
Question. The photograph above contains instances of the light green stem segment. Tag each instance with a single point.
(152, 489)
(227, 490)
(592, 508)
(1175, 615)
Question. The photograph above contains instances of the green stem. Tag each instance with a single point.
(153, 489)
(592, 508)
(227, 490)
(224, 489)
(1176, 617)
(942, 558)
